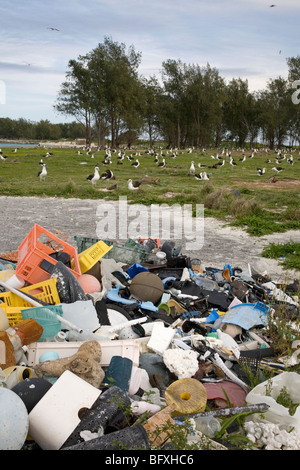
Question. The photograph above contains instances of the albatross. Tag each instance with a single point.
(136, 164)
(201, 176)
(133, 184)
(94, 177)
(192, 168)
(107, 175)
(43, 173)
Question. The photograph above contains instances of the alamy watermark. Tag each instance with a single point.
(121, 221)
(2, 92)
(296, 94)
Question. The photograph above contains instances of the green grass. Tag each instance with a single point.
(288, 254)
(258, 207)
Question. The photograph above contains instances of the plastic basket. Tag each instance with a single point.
(13, 304)
(38, 245)
(14, 314)
(46, 317)
(130, 252)
(91, 255)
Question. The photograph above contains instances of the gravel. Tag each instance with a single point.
(215, 244)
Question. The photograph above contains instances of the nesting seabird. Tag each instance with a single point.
(201, 176)
(112, 187)
(162, 164)
(278, 169)
(260, 171)
(136, 164)
(134, 184)
(107, 175)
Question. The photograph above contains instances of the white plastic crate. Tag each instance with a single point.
(123, 348)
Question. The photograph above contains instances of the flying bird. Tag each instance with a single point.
(53, 29)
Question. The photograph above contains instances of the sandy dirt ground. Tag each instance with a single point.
(219, 245)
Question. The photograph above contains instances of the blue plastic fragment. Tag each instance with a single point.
(113, 294)
(228, 266)
(247, 315)
(135, 269)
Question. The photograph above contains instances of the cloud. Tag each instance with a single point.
(238, 38)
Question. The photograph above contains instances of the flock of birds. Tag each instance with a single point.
(162, 159)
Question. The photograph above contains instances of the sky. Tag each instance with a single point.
(245, 39)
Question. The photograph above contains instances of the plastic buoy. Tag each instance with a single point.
(89, 283)
(14, 420)
(31, 391)
(188, 394)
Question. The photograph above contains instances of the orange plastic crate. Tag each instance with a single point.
(38, 246)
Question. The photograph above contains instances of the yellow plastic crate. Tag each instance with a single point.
(14, 314)
(13, 304)
(91, 255)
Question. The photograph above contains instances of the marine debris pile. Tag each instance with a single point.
(127, 346)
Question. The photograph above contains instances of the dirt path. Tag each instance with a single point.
(76, 217)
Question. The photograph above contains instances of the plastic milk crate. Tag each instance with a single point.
(91, 255)
(36, 248)
(13, 305)
(128, 253)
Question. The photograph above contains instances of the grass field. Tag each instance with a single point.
(235, 194)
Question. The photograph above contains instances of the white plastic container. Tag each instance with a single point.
(56, 415)
(123, 348)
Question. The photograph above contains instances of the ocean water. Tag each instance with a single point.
(15, 145)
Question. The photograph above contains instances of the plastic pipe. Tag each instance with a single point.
(103, 411)
(120, 326)
(130, 438)
(35, 303)
(254, 408)
(217, 360)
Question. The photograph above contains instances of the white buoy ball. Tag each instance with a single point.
(14, 420)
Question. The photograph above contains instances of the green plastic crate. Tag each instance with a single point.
(130, 252)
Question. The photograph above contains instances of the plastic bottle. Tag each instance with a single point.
(208, 425)
(161, 257)
(204, 282)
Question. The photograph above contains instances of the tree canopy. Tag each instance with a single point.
(187, 105)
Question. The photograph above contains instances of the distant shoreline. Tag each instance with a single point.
(59, 144)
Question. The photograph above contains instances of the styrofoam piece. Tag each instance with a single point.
(56, 415)
(123, 348)
(160, 338)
